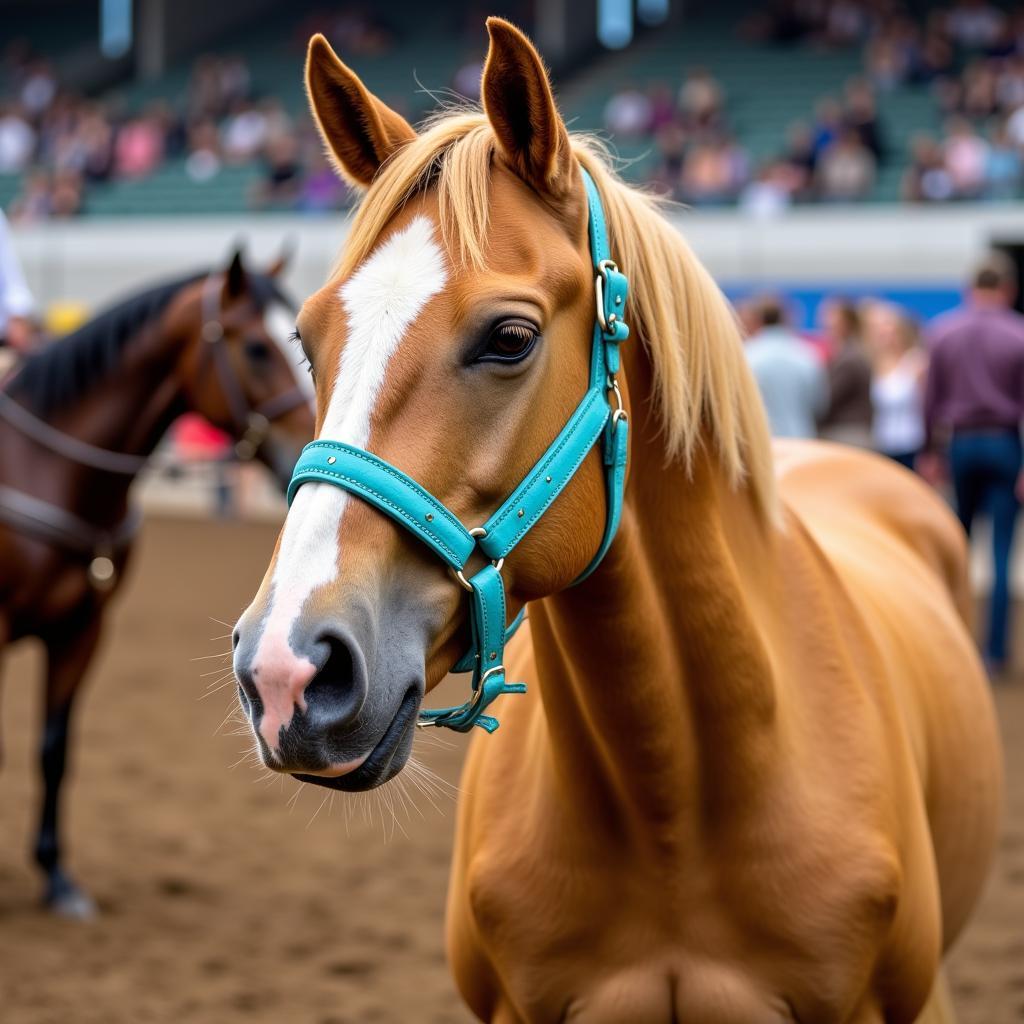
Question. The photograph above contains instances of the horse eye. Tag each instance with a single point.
(257, 350)
(510, 342)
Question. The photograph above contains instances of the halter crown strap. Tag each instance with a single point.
(600, 416)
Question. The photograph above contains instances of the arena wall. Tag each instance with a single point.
(857, 248)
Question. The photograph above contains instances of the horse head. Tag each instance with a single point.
(234, 372)
(453, 342)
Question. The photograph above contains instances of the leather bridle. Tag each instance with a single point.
(252, 425)
(55, 525)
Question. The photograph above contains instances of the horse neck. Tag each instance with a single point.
(129, 411)
(654, 678)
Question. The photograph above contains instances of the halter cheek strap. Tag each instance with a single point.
(600, 417)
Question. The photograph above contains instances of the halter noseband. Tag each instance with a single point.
(599, 416)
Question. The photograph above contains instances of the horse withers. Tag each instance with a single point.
(756, 772)
(78, 420)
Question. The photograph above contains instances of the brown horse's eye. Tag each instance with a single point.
(510, 342)
(257, 351)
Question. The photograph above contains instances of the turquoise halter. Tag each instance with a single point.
(597, 417)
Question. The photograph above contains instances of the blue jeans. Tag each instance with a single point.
(985, 466)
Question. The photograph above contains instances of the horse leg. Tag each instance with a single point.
(939, 1008)
(69, 652)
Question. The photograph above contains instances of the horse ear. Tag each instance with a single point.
(360, 132)
(284, 257)
(519, 104)
(236, 277)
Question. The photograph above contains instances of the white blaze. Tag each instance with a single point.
(382, 300)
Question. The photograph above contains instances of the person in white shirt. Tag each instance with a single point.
(16, 302)
(790, 376)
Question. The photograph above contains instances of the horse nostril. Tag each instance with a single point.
(336, 691)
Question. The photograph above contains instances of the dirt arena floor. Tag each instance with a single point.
(222, 900)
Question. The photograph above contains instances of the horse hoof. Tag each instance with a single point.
(66, 900)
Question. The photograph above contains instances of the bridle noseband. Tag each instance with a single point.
(252, 425)
(599, 416)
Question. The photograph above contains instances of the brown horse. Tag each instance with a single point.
(756, 774)
(78, 420)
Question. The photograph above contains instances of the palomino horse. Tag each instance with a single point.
(78, 420)
(756, 773)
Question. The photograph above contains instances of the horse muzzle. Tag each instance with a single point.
(307, 699)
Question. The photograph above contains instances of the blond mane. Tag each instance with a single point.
(704, 391)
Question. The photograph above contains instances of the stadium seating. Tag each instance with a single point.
(767, 88)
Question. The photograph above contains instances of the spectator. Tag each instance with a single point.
(17, 140)
(828, 124)
(974, 24)
(799, 157)
(668, 171)
(203, 161)
(16, 303)
(975, 400)
(244, 133)
(627, 114)
(927, 179)
(1003, 167)
(978, 90)
(321, 189)
(282, 174)
(790, 377)
(846, 170)
(138, 148)
(770, 193)
(862, 117)
(714, 172)
(897, 388)
(965, 155)
(39, 88)
(701, 99)
(847, 419)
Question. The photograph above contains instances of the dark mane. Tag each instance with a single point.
(62, 370)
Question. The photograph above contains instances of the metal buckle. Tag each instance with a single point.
(462, 709)
(478, 532)
(602, 272)
(619, 412)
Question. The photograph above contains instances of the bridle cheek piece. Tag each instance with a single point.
(600, 416)
(251, 425)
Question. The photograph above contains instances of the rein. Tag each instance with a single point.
(55, 525)
(600, 416)
(85, 454)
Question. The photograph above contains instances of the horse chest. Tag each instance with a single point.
(616, 939)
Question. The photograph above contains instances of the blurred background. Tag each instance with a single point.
(831, 154)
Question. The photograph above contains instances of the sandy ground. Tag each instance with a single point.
(223, 902)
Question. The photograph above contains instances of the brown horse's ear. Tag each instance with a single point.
(284, 257)
(360, 132)
(518, 101)
(236, 279)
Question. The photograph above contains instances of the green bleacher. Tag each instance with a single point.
(767, 88)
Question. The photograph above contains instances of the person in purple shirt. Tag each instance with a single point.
(974, 401)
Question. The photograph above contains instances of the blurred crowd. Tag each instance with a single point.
(63, 142)
(970, 56)
(944, 401)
